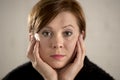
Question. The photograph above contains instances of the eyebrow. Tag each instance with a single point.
(68, 26)
(62, 27)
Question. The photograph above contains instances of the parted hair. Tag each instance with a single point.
(45, 11)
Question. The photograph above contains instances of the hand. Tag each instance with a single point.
(72, 69)
(43, 68)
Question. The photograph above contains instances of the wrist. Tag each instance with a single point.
(65, 78)
(51, 78)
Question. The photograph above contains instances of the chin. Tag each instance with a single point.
(57, 65)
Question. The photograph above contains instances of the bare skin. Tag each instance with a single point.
(60, 37)
(66, 73)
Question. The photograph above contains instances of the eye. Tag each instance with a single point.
(67, 33)
(47, 33)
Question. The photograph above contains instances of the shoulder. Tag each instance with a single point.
(91, 71)
(22, 72)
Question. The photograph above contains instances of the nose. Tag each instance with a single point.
(57, 43)
(56, 46)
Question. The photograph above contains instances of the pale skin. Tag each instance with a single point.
(60, 37)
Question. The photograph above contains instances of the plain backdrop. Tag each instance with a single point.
(102, 40)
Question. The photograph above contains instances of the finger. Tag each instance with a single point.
(31, 49)
(79, 61)
(38, 60)
(79, 52)
(82, 45)
(37, 52)
(74, 54)
(39, 63)
(30, 36)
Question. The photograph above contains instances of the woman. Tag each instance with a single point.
(57, 52)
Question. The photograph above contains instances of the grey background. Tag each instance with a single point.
(102, 41)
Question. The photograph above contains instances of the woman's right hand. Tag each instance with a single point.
(43, 68)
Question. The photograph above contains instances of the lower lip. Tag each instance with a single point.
(58, 57)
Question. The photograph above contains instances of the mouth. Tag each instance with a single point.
(57, 56)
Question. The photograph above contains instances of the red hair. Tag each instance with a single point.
(46, 10)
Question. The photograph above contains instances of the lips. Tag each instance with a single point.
(58, 57)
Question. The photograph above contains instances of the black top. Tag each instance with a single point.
(90, 71)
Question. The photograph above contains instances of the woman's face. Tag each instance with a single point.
(58, 40)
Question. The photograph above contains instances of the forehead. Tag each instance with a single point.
(63, 19)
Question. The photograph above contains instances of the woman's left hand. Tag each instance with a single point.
(71, 70)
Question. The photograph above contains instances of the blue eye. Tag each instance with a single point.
(67, 33)
(46, 33)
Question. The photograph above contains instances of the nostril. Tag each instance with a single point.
(57, 46)
(54, 47)
(60, 46)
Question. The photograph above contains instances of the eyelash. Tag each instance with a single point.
(67, 33)
(47, 33)
(50, 34)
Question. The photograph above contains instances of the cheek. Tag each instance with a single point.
(44, 49)
(70, 45)
(44, 46)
